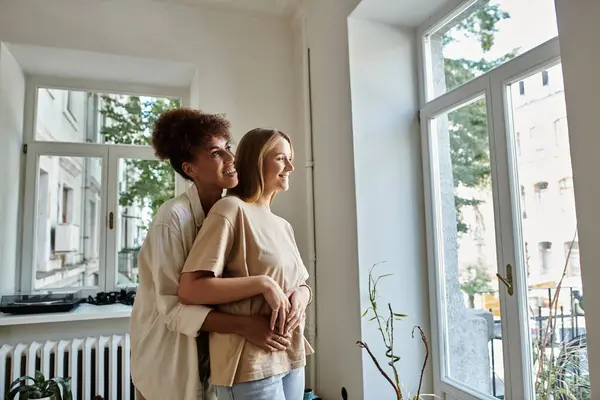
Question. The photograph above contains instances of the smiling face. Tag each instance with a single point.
(264, 164)
(277, 166)
(213, 167)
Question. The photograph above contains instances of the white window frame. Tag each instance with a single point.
(68, 111)
(109, 154)
(493, 84)
(115, 154)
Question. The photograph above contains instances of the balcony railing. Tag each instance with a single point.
(559, 347)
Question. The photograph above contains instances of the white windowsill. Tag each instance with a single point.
(84, 312)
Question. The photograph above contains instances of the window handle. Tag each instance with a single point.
(508, 281)
(111, 220)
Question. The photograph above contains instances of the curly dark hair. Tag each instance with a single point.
(178, 133)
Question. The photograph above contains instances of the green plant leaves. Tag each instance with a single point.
(40, 387)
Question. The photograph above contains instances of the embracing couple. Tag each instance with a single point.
(220, 278)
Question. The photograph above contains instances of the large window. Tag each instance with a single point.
(505, 292)
(93, 184)
(482, 35)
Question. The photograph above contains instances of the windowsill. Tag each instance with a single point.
(84, 312)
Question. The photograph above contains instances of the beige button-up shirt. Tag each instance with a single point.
(164, 353)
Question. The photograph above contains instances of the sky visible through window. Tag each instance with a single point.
(531, 23)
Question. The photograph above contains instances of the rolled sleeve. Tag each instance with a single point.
(167, 257)
(188, 320)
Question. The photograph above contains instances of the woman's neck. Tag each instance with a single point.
(208, 197)
(265, 199)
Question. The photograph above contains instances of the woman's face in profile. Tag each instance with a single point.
(277, 166)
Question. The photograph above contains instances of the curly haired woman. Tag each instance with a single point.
(169, 355)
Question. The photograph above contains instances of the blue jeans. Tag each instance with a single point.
(287, 386)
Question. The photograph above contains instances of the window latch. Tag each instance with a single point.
(508, 281)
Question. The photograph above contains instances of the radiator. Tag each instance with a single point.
(107, 375)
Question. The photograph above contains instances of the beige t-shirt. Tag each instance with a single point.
(240, 239)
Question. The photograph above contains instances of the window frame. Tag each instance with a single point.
(494, 81)
(449, 12)
(33, 149)
(68, 112)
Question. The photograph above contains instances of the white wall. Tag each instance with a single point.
(12, 99)
(339, 360)
(244, 62)
(578, 32)
(389, 193)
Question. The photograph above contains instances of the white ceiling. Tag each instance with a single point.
(409, 13)
(275, 7)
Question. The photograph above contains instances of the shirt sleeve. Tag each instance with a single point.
(167, 257)
(212, 246)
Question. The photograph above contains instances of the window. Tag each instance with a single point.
(574, 266)
(541, 189)
(545, 249)
(89, 228)
(545, 78)
(67, 205)
(561, 133)
(522, 88)
(565, 185)
(567, 196)
(476, 104)
(480, 36)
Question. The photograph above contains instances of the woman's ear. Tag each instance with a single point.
(189, 169)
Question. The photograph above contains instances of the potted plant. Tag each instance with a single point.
(40, 388)
(385, 327)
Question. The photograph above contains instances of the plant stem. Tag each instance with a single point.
(392, 356)
(551, 320)
(385, 375)
(424, 340)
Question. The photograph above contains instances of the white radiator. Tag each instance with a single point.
(107, 375)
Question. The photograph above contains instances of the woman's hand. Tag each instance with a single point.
(299, 299)
(279, 303)
(257, 330)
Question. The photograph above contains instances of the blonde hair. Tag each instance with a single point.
(249, 161)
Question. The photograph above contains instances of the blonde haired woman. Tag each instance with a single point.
(243, 241)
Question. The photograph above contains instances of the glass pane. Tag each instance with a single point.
(143, 186)
(467, 259)
(68, 222)
(89, 117)
(484, 36)
(549, 243)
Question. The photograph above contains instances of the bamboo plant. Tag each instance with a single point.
(385, 325)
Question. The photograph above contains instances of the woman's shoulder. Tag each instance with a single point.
(228, 206)
(174, 213)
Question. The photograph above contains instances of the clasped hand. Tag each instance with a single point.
(288, 310)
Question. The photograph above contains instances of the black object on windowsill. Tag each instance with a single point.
(106, 298)
(39, 303)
